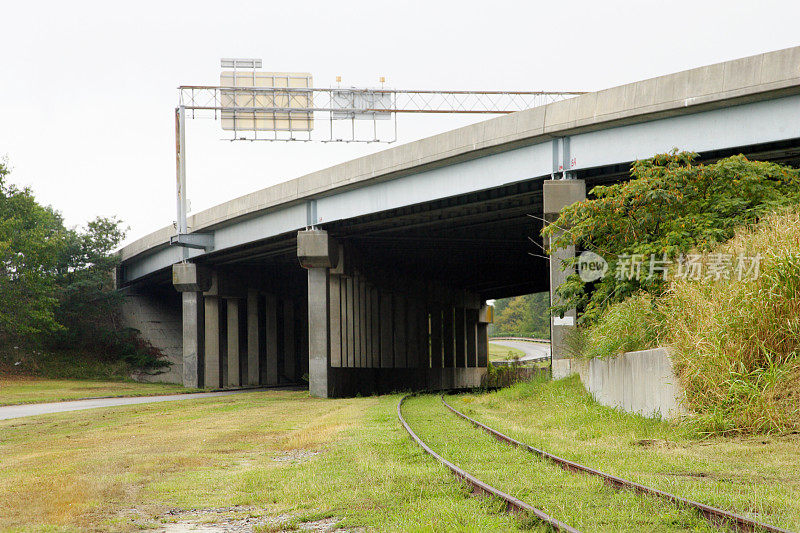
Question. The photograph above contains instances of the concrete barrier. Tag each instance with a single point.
(636, 382)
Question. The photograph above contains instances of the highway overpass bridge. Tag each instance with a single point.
(371, 275)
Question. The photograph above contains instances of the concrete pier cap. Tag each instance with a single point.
(317, 249)
(559, 194)
(486, 314)
(189, 277)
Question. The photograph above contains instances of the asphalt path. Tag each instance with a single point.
(32, 409)
(534, 351)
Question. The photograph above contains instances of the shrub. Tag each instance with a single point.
(507, 375)
(671, 205)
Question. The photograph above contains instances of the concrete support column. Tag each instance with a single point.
(557, 195)
(289, 340)
(386, 330)
(423, 337)
(375, 326)
(363, 343)
(233, 343)
(348, 329)
(318, 252)
(400, 338)
(412, 334)
(253, 370)
(436, 335)
(211, 367)
(191, 280)
(338, 349)
(358, 352)
(461, 337)
(448, 337)
(485, 317)
(318, 332)
(472, 337)
(193, 330)
(271, 339)
(368, 325)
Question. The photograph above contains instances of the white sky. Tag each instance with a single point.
(87, 89)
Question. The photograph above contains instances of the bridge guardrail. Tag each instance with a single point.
(526, 339)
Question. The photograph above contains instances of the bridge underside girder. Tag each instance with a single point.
(412, 277)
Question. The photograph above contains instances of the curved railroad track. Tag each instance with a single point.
(712, 514)
(513, 505)
(718, 517)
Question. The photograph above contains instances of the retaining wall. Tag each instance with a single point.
(636, 382)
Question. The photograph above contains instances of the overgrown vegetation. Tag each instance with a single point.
(736, 343)
(56, 287)
(522, 316)
(734, 339)
(632, 324)
(671, 205)
(498, 376)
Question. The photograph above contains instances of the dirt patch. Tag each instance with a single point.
(242, 519)
(295, 456)
(685, 474)
(655, 443)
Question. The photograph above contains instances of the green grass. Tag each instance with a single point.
(503, 353)
(284, 454)
(757, 476)
(122, 468)
(20, 390)
(581, 501)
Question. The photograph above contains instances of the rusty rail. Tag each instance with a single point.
(513, 505)
(712, 514)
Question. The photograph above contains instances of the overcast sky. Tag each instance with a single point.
(87, 89)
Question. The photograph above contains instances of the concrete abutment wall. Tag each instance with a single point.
(157, 317)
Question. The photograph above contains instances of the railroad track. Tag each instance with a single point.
(718, 517)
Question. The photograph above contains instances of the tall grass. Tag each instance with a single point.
(734, 342)
(632, 324)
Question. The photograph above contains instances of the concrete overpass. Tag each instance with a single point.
(402, 247)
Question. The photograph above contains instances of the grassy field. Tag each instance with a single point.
(19, 390)
(503, 353)
(757, 476)
(279, 454)
(275, 459)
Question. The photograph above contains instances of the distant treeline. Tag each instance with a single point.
(522, 316)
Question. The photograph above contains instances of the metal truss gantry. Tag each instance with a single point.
(294, 113)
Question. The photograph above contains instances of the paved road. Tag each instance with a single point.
(534, 351)
(33, 409)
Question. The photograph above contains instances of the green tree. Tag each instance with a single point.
(32, 244)
(670, 206)
(56, 284)
(523, 316)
